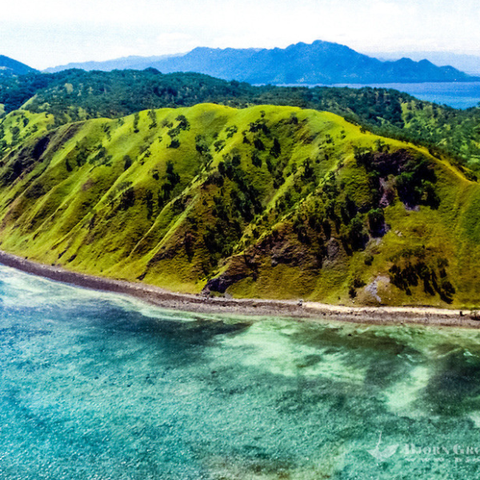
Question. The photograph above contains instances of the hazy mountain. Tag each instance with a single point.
(123, 63)
(317, 63)
(10, 67)
(466, 63)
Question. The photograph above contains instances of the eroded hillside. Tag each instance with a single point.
(273, 202)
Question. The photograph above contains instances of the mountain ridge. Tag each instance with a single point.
(469, 64)
(317, 63)
(122, 63)
(10, 67)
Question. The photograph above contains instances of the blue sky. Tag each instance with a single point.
(54, 32)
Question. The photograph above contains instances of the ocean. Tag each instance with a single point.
(456, 94)
(101, 386)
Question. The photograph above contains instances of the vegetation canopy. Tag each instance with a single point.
(75, 95)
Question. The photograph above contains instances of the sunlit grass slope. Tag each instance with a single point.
(272, 202)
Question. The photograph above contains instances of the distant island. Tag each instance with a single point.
(466, 63)
(318, 63)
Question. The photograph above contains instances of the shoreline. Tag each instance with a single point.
(251, 307)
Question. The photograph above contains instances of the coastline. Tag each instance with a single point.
(255, 307)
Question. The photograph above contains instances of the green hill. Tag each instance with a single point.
(272, 202)
(75, 95)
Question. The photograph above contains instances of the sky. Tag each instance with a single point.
(56, 32)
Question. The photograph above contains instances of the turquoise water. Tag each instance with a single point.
(97, 386)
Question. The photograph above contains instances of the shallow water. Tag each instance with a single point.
(98, 386)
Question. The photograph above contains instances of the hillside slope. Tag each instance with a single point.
(271, 202)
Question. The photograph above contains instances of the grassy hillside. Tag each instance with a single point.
(75, 95)
(273, 202)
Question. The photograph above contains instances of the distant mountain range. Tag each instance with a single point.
(125, 63)
(11, 68)
(466, 63)
(307, 64)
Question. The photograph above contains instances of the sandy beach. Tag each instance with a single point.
(287, 308)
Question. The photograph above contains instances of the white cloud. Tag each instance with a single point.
(53, 32)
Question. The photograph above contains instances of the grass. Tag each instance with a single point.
(264, 198)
